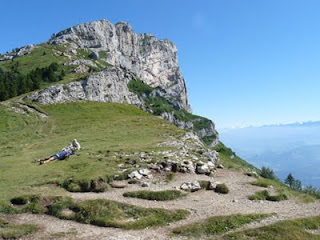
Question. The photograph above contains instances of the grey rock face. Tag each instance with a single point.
(109, 85)
(17, 52)
(152, 60)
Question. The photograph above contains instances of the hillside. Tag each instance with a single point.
(147, 169)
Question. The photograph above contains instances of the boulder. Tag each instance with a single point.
(94, 55)
(135, 175)
(144, 171)
(190, 186)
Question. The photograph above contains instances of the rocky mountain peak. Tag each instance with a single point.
(152, 60)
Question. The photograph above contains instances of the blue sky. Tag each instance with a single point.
(246, 62)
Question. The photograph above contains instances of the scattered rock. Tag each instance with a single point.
(135, 175)
(145, 184)
(220, 166)
(144, 171)
(190, 186)
(116, 184)
(94, 55)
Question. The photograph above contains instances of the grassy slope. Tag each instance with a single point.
(99, 127)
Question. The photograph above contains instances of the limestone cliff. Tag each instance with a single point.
(153, 61)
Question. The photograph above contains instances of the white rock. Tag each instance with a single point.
(135, 175)
(144, 171)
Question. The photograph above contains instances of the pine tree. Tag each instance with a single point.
(289, 180)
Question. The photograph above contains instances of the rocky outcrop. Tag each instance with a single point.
(109, 85)
(17, 52)
(153, 61)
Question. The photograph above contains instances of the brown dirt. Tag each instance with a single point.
(201, 204)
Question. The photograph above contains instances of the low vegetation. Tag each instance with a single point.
(170, 176)
(230, 160)
(157, 196)
(222, 188)
(107, 213)
(267, 173)
(217, 225)
(15, 231)
(159, 105)
(290, 230)
(265, 195)
(283, 189)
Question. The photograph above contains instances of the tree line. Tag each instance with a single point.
(13, 83)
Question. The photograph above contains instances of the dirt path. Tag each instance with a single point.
(201, 204)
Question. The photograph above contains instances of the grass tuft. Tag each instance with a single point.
(107, 213)
(157, 196)
(15, 231)
(264, 195)
(217, 225)
(222, 188)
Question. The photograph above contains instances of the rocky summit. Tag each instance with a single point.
(149, 59)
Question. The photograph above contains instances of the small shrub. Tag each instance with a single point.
(158, 196)
(170, 177)
(222, 188)
(259, 195)
(277, 198)
(264, 195)
(206, 185)
(138, 87)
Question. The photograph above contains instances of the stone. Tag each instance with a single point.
(116, 184)
(135, 175)
(220, 166)
(145, 184)
(190, 186)
(187, 167)
(94, 55)
(202, 169)
(144, 171)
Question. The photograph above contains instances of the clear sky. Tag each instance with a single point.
(246, 62)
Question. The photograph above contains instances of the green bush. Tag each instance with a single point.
(170, 176)
(264, 195)
(267, 173)
(221, 188)
(138, 87)
(158, 196)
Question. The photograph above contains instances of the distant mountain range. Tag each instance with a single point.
(293, 147)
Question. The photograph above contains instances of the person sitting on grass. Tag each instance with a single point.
(65, 153)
